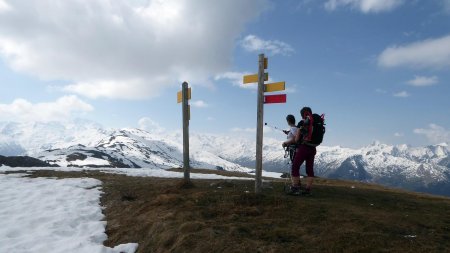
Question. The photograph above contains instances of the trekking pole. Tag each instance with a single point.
(274, 127)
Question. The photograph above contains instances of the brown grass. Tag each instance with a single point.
(163, 215)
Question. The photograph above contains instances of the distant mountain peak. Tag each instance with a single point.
(90, 145)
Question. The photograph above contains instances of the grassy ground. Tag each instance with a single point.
(163, 215)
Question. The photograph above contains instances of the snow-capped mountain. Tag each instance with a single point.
(414, 168)
(87, 144)
(33, 137)
(144, 149)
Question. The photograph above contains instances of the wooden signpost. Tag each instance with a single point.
(183, 97)
(268, 99)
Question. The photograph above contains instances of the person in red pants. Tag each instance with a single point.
(305, 153)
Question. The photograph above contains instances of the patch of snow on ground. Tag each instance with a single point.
(271, 174)
(91, 161)
(143, 172)
(52, 215)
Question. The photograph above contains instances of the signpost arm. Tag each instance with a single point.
(184, 91)
(259, 125)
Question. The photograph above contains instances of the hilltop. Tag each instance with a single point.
(162, 215)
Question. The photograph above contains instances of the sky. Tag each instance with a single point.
(378, 70)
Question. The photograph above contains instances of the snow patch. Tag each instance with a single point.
(52, 215)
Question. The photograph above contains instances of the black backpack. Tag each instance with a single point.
(318, 130)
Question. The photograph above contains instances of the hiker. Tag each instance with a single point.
(290, 142)
(305, 152)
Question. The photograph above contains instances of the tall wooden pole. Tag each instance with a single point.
(185, 109)
(259, 125)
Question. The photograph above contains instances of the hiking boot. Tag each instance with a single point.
(293, 190)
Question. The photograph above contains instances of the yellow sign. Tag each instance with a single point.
(274, 86)
(254, 78)
(180, 97)
(266, 62)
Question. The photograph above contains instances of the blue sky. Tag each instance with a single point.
(379, 70)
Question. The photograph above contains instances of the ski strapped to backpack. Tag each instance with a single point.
(315, 125)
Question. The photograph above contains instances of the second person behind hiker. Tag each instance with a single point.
(291, 133)
(290, 119)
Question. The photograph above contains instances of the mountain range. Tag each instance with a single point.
(87, 144)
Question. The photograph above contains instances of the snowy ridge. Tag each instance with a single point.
(414, 168)
(381, 159)
(91, 146)
(88, 145)
(33, 137)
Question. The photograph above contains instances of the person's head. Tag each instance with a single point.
(290, 119)
(304, 110)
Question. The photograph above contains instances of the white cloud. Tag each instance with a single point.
(4, 6)
(423, 81)
(123, 49)
(60, 110)
(290, 89)
(408, 34)
(123, 89)
(199, 104)
(446, 5)
(253, 43)
(304, 4)
(236, 78)
(398, 134)
(402, 94)
(381, 91)
(431, 53)
(435, 134)
(149, 125)
(365, 6)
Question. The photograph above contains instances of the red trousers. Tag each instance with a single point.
(304, 153)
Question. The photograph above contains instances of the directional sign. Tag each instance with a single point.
(270, 87)
(254, 78)
(272, 99)
(266, 63)
(180, 97)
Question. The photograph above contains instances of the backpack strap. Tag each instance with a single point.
(309, 119)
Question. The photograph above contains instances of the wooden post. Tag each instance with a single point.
(185, 109)
(259, 125)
